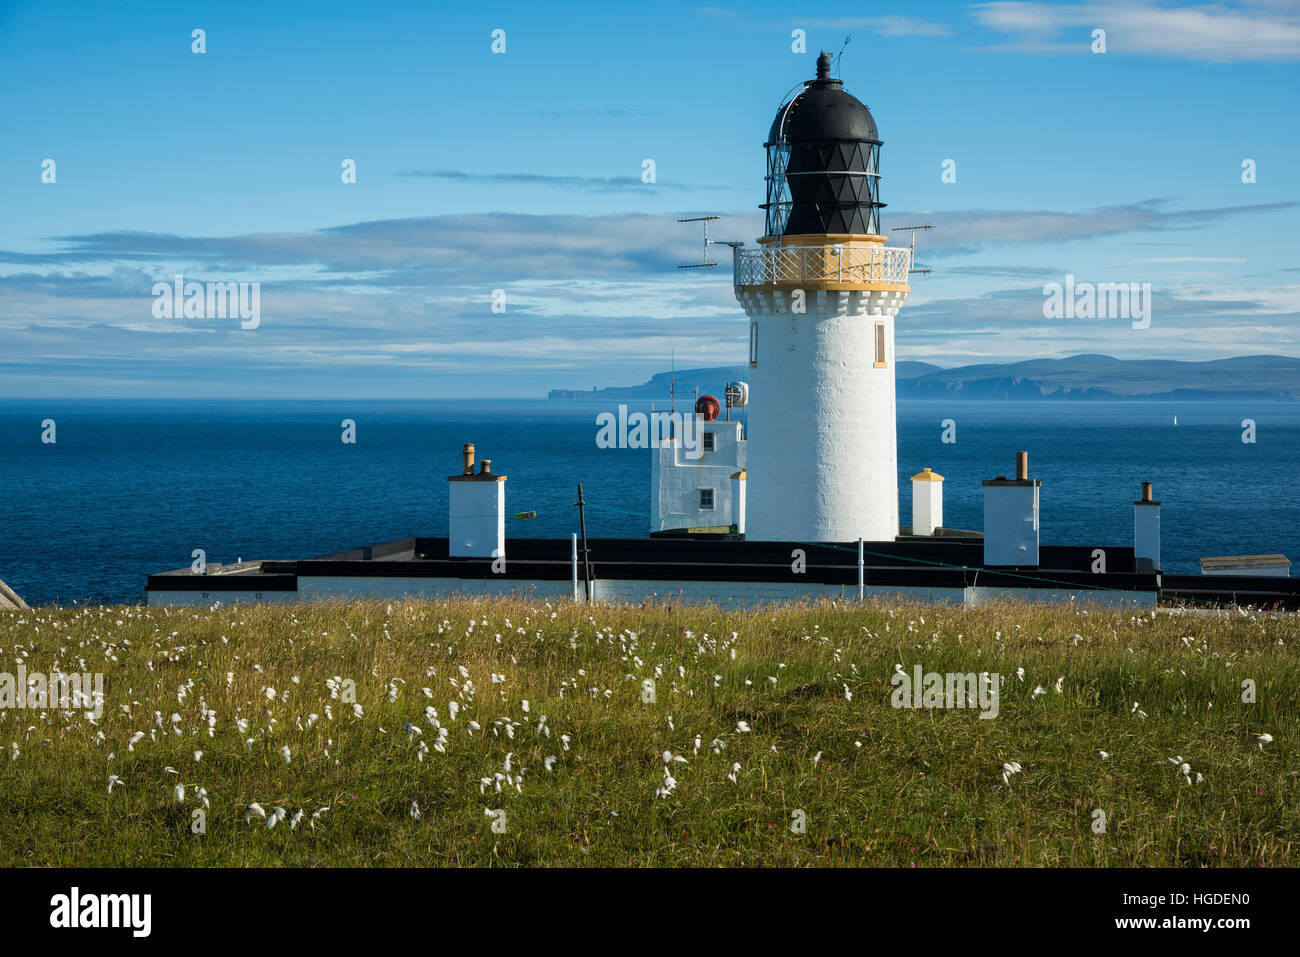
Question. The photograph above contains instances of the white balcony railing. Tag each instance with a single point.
(768, 265)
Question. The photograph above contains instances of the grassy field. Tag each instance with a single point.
(557, 691)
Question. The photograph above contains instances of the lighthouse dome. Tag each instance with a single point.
(823, 158)
(823, 110)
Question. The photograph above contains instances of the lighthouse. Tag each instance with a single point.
(821, 292)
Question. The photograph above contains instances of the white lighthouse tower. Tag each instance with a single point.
(821, 293)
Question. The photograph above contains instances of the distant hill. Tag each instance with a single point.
(1076, 377)
(1105, 377)
(710, 381)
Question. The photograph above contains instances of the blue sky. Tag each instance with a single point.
(522, 171)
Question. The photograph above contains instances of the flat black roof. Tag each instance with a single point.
(908, 562)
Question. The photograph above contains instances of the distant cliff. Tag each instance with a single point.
(710, 381)
(1104, 377)
(1076, 377)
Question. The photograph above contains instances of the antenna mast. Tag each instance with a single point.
(707, 241)
(912, 230)
(672, 383)
(841, 53)
(672, 386)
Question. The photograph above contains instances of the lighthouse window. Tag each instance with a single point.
(708, 441)
(753, 345)
(880, 346)
(706, 500)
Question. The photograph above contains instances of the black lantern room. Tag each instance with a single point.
(823, 162)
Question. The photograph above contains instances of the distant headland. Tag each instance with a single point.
(1075, 377)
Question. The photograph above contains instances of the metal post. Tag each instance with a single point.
(861, 573)
(575, 566)
(586, 554)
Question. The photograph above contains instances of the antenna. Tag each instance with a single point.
(707, 242)
(913, 230)
(841, 53)
(672, 386)
(705, 220)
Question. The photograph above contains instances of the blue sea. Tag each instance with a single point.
(132, 488)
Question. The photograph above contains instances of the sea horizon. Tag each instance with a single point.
(132, 486)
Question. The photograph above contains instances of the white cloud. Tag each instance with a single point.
(887, 26)
(1190, 259)
(1214, 32)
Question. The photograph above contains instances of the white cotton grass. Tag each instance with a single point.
(668, 785)
(1185, 769)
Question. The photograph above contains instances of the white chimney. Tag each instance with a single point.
(476, 511)
(1146, 531)
(927, 502)
(1011, 517)
(738, 500)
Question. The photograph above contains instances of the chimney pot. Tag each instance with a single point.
(1022, 466)
(485, 467)
(1146, 531)
(468, 451)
